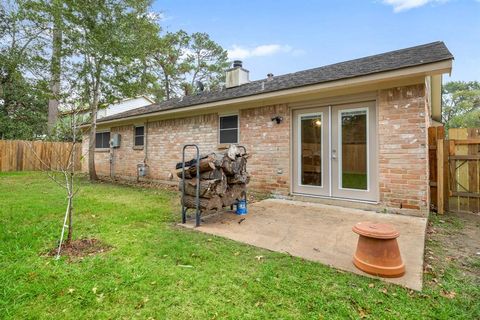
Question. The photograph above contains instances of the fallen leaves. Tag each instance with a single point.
(448, 294)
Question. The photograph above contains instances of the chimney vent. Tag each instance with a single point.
(236, 76)
(270, 77)
(237, 63)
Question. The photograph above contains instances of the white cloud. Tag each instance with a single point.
(403, 5)
(240, 52)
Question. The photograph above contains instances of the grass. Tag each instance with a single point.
(353, 180)
(143, 275)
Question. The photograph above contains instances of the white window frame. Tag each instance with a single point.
(238, 127)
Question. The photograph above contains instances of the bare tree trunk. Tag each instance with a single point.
(71, 188)
(55, 69)
(93, 128)
(70, 222)
(91, 148)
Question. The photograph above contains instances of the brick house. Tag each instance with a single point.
(352, 133)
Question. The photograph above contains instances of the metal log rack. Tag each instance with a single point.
(197, 191)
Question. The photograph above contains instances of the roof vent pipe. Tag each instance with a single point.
(270, 77)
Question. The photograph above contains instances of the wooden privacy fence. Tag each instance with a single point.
(19, 155)
(455, 169)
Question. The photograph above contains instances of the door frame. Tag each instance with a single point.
(330, 102)
(371, 193)
(297, 186)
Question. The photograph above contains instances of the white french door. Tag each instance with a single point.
(335, 151)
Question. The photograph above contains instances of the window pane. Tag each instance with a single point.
(106, 140)
(139, 141)
(98, 140)
(311, 152)
(229, 136)
(229, 122)
(102, 140)
(139, 131)
(354, 150)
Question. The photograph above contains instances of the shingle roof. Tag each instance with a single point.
(389, 61)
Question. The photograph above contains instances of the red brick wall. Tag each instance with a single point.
(403, 154)
(269, 146)
(402, 148)
(165, 140)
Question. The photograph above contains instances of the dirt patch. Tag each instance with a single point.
(78, 249)
(454, 238)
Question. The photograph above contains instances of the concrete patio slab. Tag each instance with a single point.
(318, 232)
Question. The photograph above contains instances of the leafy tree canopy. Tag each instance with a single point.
(461, 104)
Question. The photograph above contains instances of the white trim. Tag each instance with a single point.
(330, 150)
(238, 127)
(339, 147)
(299, 151)
(334, 198)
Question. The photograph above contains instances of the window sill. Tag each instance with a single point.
(137, 147)
(102, 149)
(224, 146)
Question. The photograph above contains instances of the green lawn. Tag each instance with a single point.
(351, 180)
(142, 276)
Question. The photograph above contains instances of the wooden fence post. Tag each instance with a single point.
(440, 177)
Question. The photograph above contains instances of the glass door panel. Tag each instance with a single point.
(354, 167)
(311, 150)
(354, 152)
(311, 171)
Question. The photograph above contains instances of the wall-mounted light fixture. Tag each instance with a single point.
(278, 119)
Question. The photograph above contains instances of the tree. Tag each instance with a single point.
(169, 57)
(23, 36)
(63, 172)
(55, 63)
(207, 60)
(180, 60)
(461, 104)
(101, 36)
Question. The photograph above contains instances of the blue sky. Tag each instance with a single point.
(288, 36)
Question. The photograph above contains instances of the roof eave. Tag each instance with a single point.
(440, 67)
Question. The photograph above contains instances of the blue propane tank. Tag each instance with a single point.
(242, 207)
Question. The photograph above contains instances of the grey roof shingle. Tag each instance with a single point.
(394, 60)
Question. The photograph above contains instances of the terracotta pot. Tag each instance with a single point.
(377, 250)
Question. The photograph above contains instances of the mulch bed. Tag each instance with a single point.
(80, 248)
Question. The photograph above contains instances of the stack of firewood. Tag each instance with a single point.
(223, 179)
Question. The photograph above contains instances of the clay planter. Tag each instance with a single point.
(377, 250)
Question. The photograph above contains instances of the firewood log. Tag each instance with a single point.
(216, 174)
(241, 178)
(233, 193)
(205, 164)
(208, 188)
(205, 204)
(227, 166)
(239, 165)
